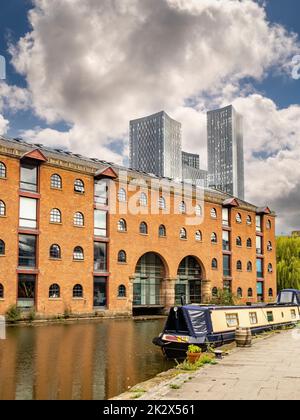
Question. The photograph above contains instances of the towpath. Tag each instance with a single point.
(270, 370)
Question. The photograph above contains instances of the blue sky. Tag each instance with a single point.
(93, 66)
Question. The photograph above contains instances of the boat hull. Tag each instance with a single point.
(178, 351)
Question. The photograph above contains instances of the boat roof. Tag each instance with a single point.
(231, 308)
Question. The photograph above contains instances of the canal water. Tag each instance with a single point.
(82, 361)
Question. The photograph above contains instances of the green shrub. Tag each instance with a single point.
(32, 315)
(224, 298)
(194, 349)
(13, 314)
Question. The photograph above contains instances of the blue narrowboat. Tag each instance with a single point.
(216, 325)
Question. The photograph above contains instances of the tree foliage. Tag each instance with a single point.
(288, 263)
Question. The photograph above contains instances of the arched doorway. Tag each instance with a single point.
(189, 277)
(149, 275)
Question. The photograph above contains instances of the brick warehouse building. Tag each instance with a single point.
(62, 248)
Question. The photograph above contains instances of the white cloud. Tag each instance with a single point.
(4, 124)
(95, 65)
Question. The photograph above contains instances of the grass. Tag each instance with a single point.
(206, 359)
(175, 386)
(137, 396)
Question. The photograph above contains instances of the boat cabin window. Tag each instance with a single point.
(293, 314)
(232, 320)
(176, 322)
(286, 297)
(270, 316)
(253, 318)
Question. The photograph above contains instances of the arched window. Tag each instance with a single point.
(79, 186)
(122, 291)
(239, 241)
(78, 219)
(162, 203)
(122, 257)
(240, 293)
(2, 208)
(78, 254)
(214, 264)
(55, 216)
(213, 213)
(269, 224)
(182, 208)
(78, 291)
(2, 247)
(214, 238)
(270, 268)
(270, 247)
(214, 292)
(250, 293)
(249, 266)
(2, 170)
(122, 195)
(198, 236)
(55, 252)
(183, 234)
(271, 293)
(56, 182)
(239, 218)
(198, 210)
(249, 243)
(143, 228)
(143, 200)
(249, 220)
(122, 225)
(162, 232)
(1, 291)
(239, 266)
(54, 291)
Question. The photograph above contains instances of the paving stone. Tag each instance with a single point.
(270, 370)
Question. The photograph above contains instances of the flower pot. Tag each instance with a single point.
(193, 357)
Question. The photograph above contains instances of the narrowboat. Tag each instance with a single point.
(216, 325)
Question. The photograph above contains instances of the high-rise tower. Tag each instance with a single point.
(226, 151)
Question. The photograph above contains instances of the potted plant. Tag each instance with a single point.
(194, 354)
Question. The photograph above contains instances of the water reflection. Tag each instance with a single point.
(78, 361)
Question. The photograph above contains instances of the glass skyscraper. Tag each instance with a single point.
(155, 146)
(226, 151)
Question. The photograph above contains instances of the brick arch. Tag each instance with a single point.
(199, 261)
(164, 261)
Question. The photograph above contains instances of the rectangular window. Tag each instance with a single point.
(270, 316)
(293, 314)
(259, 268)
(260, 291)
(100, 223)
(226, 266)
(226, 243)
(258, 224)
(101, 192)
(29, 177)
(259, 245)
(26, 290)
(225, 217)
(253, 318)
(27, 251)
(100, 253)
(28, 213)
(232, 320)
(100, 293)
